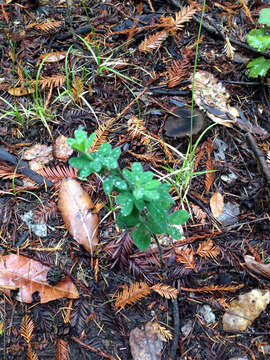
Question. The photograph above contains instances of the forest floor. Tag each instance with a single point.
(125, 70)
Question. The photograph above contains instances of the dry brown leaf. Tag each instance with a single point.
(217, 204)
(147, 343)
(130, 294)
(20, 91)
(257, 267)
(29, 276)
(209, 175)
(165, 290)
(61, 149)
(76, 209)
(101, 134)
(62, 349)
(154, 41)
(210, 95)
(40, 152)
(27, 328)
(53, 81)
(77, 88)
(207, 250)
(244, 310)
(45, 26)
(199, 213)
(186, 257)
(52, 57)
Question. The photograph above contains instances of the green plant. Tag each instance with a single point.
(144, 202)
(259, 39)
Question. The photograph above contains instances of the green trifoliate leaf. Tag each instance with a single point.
(259, 39)
(81, 142)
(174, 232)
(125, 199)
(179, 217)
(125, 222)
(264, 17)
(141, 237)
(258, 67)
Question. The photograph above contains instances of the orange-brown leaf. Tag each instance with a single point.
(165, 290)
(27, 328)
(29, 276)
(207, 250)
(52, 57)
(209, 176)
(154, 41)
(130, 294)
(62, 349)
(217, 204)
(76, 208)
(186, 257)
(21, 91)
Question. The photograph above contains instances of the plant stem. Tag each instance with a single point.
(160, 252)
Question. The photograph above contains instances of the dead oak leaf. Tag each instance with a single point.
(29, 276)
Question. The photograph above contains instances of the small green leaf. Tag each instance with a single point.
(129, 176)
(116, 152)
(119, 183)
(125, 199)
(137, 168)
(140, 204)
(79, 162)
(141, 237)
(174, 233)
(81, 142)
(104, 149)
(264, 17)
(146, 177)
(150, 195)
(86, 171)
(125, 222)
(108, 184)
(110, 162)
(178, 217)
(151, 185)
(258, 67)
(259, 39)
(138, 193)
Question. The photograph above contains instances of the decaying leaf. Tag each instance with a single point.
(39, 152)
(76, 208)
(165, 290)
(146, 343)
(130, 294)
(244, 310)
(20, 91)
(61, 149)
(186, 257)
(211, 96)
(29, 276)
(259, 268)
(208, 250)
(52, 57)
(217, 204)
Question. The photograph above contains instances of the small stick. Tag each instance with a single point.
(176, 329)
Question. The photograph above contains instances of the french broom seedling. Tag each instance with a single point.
(144, 202)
